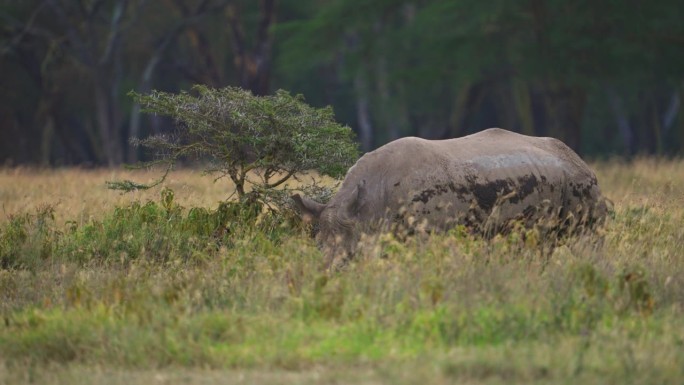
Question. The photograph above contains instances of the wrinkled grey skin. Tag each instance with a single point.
(485, 181)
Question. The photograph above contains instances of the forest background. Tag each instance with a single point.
(606, 77)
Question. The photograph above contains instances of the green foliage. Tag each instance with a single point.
(445, 68)
(155, 284)
(432, 68)
(153, 231)
(27, 239)
(257, 141)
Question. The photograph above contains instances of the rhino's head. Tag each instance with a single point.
(337, 221)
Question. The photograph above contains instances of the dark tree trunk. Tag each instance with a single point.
(107, 126)
(681, 124)
(458, 111)
(565, 109)
(363, 113)
(146, 85)
(253, 64)
(622, 121)
(656, 127)
(522, 99)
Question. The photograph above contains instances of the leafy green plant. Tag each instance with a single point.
(164, 230)
(27, 238)
(633, 291)
(259, 142)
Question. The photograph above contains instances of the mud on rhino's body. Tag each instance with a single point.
(484, 181)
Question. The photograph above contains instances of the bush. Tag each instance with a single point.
(27, 238)
(256, 141)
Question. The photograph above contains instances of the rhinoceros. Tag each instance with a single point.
(485, 181)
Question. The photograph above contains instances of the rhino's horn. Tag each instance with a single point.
(309, 209)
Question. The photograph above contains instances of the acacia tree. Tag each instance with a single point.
(256, 141)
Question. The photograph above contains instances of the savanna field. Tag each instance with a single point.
(168, 286)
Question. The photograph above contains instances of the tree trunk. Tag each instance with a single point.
(75, 138)
(671, 112)
(565, 108)
(458, 112)
(107, 126)
(363, 113)
(681, 123)
(47, 137)
(253, 65)
(393, 109)
(145, 86)
(656, 127)
(476, 97)
(622, 121)
(211, 75)
(506, 111)
(523, 105)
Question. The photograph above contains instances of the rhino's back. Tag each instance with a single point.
(465, 180)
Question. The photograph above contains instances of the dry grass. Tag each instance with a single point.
(81, 195)
(151, 302)
(644, 181)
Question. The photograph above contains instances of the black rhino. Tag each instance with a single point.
(485, 181)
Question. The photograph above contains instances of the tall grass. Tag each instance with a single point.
(152, 285)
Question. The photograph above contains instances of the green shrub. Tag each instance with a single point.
(27, 238)
(164, 231)
(256, 141)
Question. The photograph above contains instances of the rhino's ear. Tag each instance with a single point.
(355, 199)
(310, 210)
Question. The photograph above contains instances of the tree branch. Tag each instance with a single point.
(280, 181)
(238, 40)
(80, 47)
(267, 19)
(26, 29)
(114, 32)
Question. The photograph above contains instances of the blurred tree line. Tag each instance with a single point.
(605, 76)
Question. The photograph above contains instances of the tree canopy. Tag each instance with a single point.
(256, 141)
(605, 77)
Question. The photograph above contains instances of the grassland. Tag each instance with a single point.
(103, 288)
